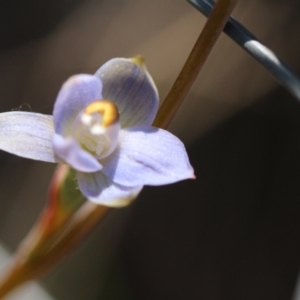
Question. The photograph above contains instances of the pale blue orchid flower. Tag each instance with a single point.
(101, 127)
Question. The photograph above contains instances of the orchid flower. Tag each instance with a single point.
(101, 127)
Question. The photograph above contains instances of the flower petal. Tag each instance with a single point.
(130, 86)
(71, 153)
(99, 189)
(27, 134)
(147, 156)
(75, 95)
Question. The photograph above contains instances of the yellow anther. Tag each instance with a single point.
(138, 60)
(107, 109)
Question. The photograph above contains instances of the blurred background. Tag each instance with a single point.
(231, 234)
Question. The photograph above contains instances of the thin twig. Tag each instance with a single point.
(195, 61)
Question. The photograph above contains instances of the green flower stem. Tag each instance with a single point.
(24, 268)
(54, 235)
(25, 259)
(207, 39)
(30, 251)
(15, 275)
(83, 222)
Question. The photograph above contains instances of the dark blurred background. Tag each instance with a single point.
(231, 234)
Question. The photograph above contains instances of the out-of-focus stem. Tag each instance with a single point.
(207, 39)
(19, 269)
(39, 251)
(85, 220)
(15, 275)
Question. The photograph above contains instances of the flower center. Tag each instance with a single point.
(97, 127)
